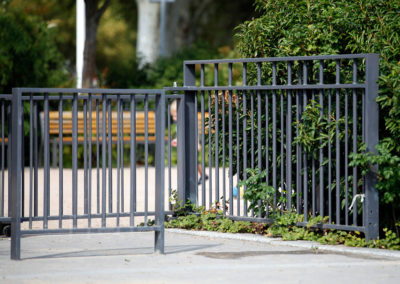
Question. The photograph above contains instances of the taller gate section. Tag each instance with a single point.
(296, 118)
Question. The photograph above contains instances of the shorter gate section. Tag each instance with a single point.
(107, 151)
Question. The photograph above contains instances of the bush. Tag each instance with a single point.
(28, 53)
(313, 27)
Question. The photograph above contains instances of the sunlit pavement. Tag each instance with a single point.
(129, 258)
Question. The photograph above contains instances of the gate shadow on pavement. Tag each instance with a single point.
(123, 251)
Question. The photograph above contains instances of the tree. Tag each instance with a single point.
(28, 53)
(187, 22)
(93, 14)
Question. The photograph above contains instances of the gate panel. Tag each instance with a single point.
(107, 168)
(296, 118)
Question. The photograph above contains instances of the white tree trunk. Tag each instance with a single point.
(148, 37)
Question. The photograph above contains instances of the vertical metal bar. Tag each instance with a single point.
(46, 195)
(16, 173)
(355, 179)
(337, 144)
(2, 202)
(30, 160)
(85, 173)
(61, 162)
(9, 110)
(209, 151)
(146, 157)
(346, 160)
(223, 153)
(98, 153)
(267, 145)
(104, 162)
(244, 149)
(133, 161)
(110, 186)
(121, 112)
(363, 115)
(252, 128)
(203, 150)
(216, 138)
(289, 141)
(313, 193)
(259, 127)
(23, 165)
(371, 140)
(230, 138)
(187, 160)
(196, 127)
(321, 151)
(237, 153)
(274, 180)
(90, 162)
(159, 163)
(244, 137)
(282, 149)
(330, 160)
(74, 159)
(118, 159)
(35, 160)
(298, 155)
(305, 172)
(169, 152)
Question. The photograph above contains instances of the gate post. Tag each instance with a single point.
(160, 172)
(371, 221)
(15, 168)
(187, 159)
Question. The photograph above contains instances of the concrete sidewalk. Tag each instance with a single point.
(129, 258)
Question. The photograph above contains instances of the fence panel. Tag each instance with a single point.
(98, 138)
(296, 118)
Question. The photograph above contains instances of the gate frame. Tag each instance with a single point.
(16, 171)
(188, 191)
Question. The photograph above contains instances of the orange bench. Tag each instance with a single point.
(125, 130)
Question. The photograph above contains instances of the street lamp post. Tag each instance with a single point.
(163, 4)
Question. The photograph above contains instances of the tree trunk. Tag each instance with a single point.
(148, 36)
(93, 15)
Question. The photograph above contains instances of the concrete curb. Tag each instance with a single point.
(367, 252)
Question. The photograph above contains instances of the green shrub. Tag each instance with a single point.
(314, 27)
(28, 52)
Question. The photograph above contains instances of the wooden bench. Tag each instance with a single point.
(125, 130)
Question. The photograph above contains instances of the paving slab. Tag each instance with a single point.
(129, 258)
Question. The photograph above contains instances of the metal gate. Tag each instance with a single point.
(232, 115)
(96, 136)
(251, 113)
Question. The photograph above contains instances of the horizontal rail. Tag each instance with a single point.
(92, 230)
(112, 97)
(92, 216)
(89, 91)
(276, 59)
(5, 97)
(270, 87)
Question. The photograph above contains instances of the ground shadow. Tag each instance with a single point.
(240, 254)
(123, 251)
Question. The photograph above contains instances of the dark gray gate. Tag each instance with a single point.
(254, 125)
(88, 192)
(250, 116)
